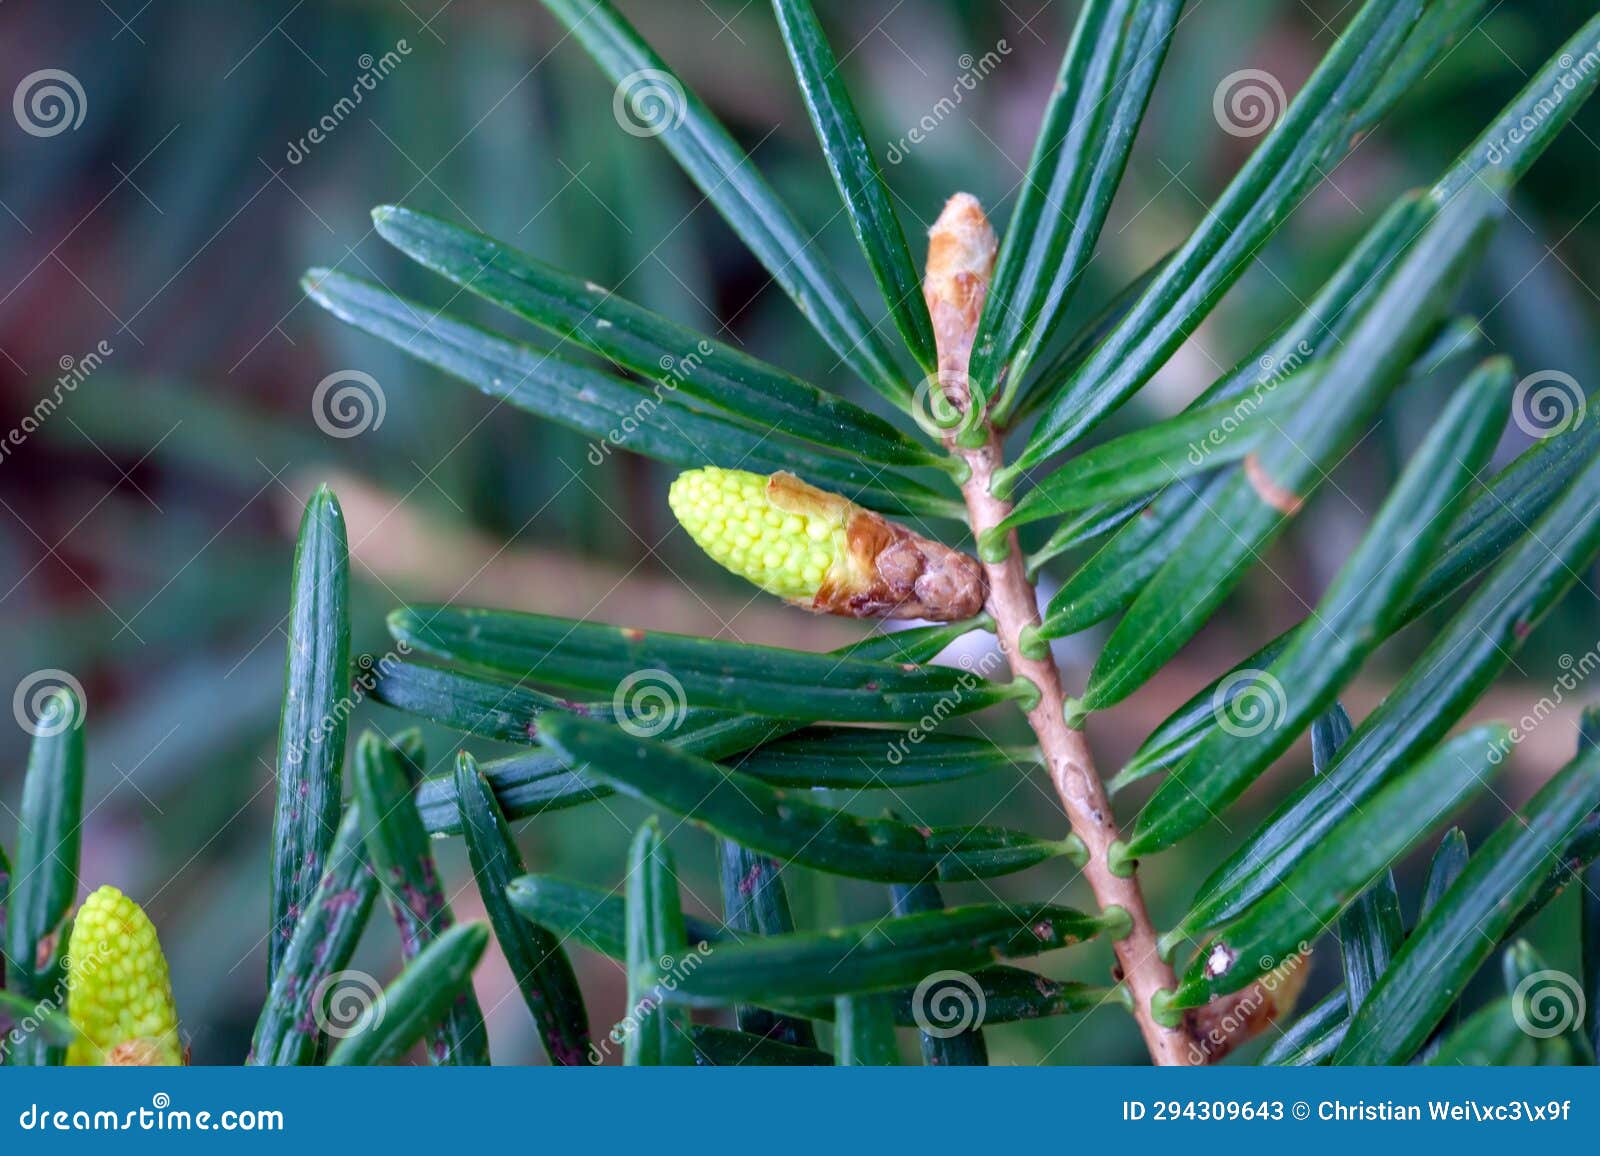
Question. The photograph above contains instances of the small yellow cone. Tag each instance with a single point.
(821, 550)
(730, 514)
(119, 994)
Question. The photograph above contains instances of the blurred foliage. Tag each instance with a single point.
(147, 525)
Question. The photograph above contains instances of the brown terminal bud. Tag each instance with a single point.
(961, 253)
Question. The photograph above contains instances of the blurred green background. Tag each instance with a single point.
(147, 524)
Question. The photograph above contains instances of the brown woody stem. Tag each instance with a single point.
(1014, 605)
(960, 248)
